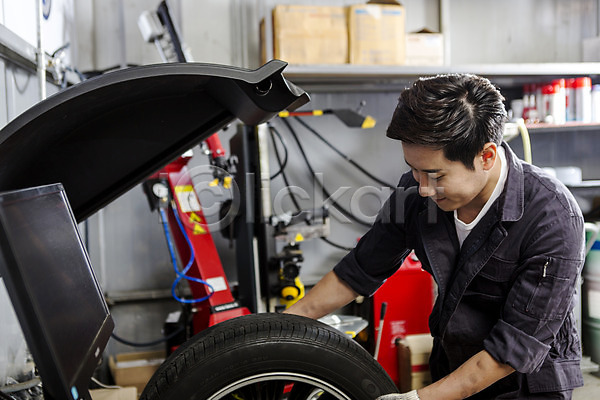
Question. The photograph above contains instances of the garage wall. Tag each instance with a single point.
(12, 344)
(19, 90)
(520, 31)
(134, 257)
(127, 244)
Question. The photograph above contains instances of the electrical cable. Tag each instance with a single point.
(341, 154)
(17, 387)
(105, 386)
(147, 344)
(272, 129)
(339, 246)
(282, 167)
(16, 84)
(283, 164)
(314, 175)
(179, 277)
(97, 72)
(61, 48)
(182, 274)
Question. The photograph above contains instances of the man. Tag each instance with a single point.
(503, 241)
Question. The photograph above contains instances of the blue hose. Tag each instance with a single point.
(182, 274)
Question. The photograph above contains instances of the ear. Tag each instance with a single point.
(489, 155)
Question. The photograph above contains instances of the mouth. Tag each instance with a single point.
(439, 200)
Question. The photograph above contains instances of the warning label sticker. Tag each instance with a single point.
(186, 197)
(218, 283)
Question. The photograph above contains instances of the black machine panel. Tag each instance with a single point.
(103, 136)
(57, 299)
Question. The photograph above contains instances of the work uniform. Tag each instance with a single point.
(509, 289)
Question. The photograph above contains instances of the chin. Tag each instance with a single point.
(445, 205)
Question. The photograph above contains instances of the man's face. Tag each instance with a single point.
(450, 184)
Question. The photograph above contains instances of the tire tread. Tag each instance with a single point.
(242, 331)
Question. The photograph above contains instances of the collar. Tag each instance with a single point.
(513, 205)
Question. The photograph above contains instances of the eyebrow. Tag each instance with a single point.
(429, 171)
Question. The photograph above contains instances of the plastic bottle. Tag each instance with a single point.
(530, 114)
(517, 109)
(583, 99)
(540, 102)
(546, 115)
(570, 92)
(596, 103)
(558, 105)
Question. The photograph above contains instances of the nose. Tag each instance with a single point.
(426, 189)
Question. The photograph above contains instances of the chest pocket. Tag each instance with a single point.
(493, 281)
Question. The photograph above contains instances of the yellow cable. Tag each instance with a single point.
(526, 140)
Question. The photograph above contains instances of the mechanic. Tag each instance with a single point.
(502, 239)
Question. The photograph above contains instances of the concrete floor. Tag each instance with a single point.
(591, 381)
(590, 389)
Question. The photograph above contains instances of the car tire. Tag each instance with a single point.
(269, 357)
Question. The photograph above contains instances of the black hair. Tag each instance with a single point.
(457, 113)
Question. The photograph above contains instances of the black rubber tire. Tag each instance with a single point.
(269, 357)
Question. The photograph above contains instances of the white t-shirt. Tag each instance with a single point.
(462, 229)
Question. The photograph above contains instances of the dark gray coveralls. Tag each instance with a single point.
(510, 289)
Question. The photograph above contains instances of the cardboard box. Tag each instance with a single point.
(126, 393)
(376, 34)
(310, 34)
(424, 48)
(420, 349)
(135, 369)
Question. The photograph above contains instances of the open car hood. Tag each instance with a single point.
(103, 136)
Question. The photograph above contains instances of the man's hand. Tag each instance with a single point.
(412, 395)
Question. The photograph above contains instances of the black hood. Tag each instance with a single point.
(103, 136)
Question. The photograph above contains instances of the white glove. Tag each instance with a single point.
(412, 395)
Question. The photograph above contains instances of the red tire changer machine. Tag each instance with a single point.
(171, 192)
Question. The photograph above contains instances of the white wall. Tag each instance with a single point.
(19, 90)
(13, 349)
(108, 29)
(226, 31)
(104, 33)
(516, 31)
(20, 17)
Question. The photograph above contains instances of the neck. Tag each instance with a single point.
(468, 213)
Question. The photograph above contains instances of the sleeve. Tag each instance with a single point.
(542, 294)
(381, 251)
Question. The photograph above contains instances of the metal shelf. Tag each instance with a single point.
(373, 76)
(569, 126)
(16, 50)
